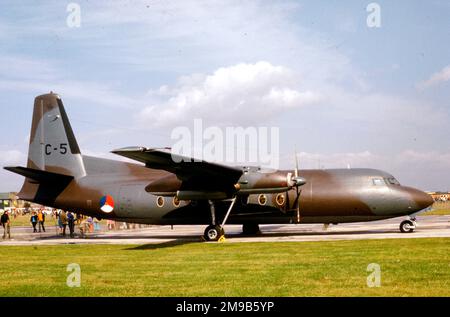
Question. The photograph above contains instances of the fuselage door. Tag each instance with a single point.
(126, 201)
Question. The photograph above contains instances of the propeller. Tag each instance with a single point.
(297, 182)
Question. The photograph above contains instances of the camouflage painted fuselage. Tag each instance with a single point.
(57, 175)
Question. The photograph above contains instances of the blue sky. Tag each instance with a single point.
(346, 94)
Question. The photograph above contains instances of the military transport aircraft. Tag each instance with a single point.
(161, 191)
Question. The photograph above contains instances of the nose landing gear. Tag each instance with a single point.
(407, 226)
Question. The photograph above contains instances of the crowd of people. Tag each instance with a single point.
(66, 222)
(69, 220)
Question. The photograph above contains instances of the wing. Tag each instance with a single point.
(194, 174)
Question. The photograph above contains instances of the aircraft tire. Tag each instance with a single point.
(213, 233)
(407, 226)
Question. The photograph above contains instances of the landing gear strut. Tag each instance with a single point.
(215, 232)
(407, 226)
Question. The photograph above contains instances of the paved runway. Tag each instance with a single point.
(428, 227)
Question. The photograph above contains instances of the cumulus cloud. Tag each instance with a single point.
(442, 76)
(12, 157)
(252, 91)
(9, 181)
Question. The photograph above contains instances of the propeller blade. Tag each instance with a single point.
(297, 185)
(296, 165)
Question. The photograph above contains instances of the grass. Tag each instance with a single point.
(409, 267)
(437, 212)
(439, 208)
(24, 221)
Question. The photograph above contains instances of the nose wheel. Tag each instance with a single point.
(407, 226)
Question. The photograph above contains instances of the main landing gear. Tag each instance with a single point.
(407, 226)
(215, 232)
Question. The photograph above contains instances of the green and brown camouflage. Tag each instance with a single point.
(161, 191)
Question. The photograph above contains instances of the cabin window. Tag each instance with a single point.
(160, 201)
(176, 201)
(378, 181)
(262, 199)
(280, 199)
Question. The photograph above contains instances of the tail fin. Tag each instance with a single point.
(53, 147)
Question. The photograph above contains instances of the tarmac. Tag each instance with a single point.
(428, 227)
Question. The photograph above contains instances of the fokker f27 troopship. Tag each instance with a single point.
(161, 191)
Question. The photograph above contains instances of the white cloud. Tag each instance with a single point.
(10, 182)
(442, 76)
(12, 158)
(25, 74)
(239, 94)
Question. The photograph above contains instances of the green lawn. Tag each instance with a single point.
(409, 267)
(23, 221)
(439, 208)
(437, 212)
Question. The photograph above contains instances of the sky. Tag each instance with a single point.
(341, 92)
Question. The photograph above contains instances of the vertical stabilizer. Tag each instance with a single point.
(53, 147)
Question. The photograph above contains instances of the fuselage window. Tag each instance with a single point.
(378, 181)
(176, 201)
(280, 200)
(160, 201)
(262, 199)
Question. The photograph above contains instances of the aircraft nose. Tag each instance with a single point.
(420, 198)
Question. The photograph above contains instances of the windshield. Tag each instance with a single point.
(392, 181)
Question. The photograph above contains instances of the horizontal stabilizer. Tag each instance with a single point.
(40, 176)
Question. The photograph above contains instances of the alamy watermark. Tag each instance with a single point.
(234, 145)
(74, 18)
(74, 278)
(374, 278)
(374, 17)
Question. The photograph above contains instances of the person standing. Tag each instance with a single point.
(34, 221)
(71, 223)
(60, 226)
(6, 223)
(41, 220)
(63, 219)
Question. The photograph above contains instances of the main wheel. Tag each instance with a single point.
(407, 226)
(250, 228)
(213, 233)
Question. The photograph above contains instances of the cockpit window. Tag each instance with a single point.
(378, 181)
(392, 181)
